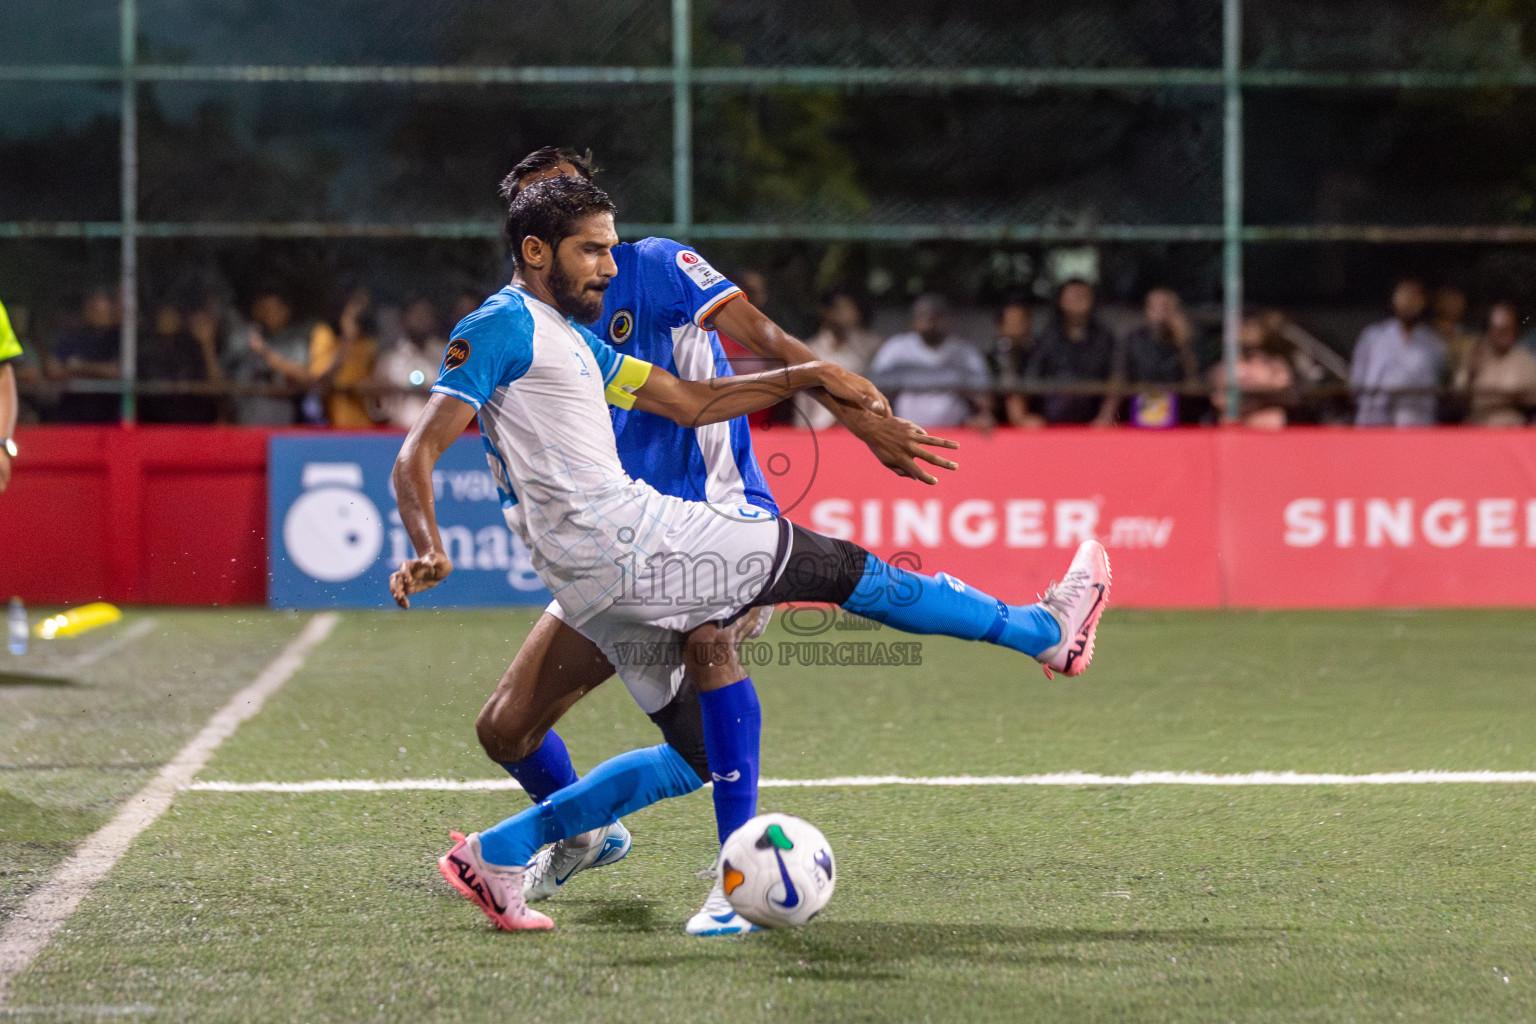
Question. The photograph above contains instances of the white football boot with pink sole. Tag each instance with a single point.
(496, 890)
(1077, 602)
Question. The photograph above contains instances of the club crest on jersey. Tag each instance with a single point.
(698, 270)
(621, 326)
(457, 352)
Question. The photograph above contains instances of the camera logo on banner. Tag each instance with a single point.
(333, 532)
(621, 326)
(698, 270)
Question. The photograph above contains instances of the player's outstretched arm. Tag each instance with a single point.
(694, 403)
(751, 327)
(899, 444)
(439, 425)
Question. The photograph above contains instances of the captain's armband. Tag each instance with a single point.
(629, 375)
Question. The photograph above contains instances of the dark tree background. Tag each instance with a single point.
(258, 152)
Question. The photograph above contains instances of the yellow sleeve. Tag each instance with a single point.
(628, 377)
(10, 348)
(323, 349)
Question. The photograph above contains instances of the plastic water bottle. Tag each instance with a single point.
(17, 627)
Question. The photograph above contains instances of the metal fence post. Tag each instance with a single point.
(129, 193)
(682, 118)
(1232, 200)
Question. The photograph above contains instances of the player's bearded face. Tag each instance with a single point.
(580, 298)
(582, 267)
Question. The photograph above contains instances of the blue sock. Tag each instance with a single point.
(942, 604)
(618, 786)
(733, 727)
(545, 770)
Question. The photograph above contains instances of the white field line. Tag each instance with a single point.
(85, 659)
(37, 920)
(1056, 779)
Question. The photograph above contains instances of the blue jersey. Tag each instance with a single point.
(656, 310)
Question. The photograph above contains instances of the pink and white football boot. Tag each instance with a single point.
(496, 890)
(1077, 602)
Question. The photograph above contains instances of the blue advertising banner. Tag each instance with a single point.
(334, 532)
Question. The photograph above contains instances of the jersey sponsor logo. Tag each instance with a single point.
(457, 353)
(698, 270)
(621, 326)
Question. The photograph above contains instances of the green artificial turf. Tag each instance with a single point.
(76, 742)
(955, 904)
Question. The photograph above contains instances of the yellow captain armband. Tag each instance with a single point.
(10, 348)
(628, 377)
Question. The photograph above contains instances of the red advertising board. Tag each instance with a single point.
(1009, 519)
(1192, 518)
(1302, 518)
(1352, 518)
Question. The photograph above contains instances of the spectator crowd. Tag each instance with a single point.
(1067, 365)
(204, 359)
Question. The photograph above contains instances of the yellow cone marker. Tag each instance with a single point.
(78, 620)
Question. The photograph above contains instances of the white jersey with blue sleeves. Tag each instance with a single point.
(658, 309)
(598, 538)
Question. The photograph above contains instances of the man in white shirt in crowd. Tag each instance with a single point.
(1395, 355)
(912, 364)
(411, 362)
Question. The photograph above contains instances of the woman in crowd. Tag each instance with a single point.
(1264, 376)
(341, 357)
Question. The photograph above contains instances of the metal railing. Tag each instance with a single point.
(682, 77)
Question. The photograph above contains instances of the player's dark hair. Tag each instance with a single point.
(549, 210)
(543, 160)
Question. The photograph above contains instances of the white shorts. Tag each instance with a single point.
(707, 565)
(647, 658)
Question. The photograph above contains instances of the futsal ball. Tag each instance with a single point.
(777, 870)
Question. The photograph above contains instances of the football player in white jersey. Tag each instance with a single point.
(660, 308)
(608, 546)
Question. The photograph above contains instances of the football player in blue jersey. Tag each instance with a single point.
(664, 306)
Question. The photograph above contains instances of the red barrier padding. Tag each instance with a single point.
(1193, 518)
(151, 515)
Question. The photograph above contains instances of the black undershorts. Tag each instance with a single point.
(817, 568)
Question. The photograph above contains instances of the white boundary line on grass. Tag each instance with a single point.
(1055, 779)
(36, 921)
